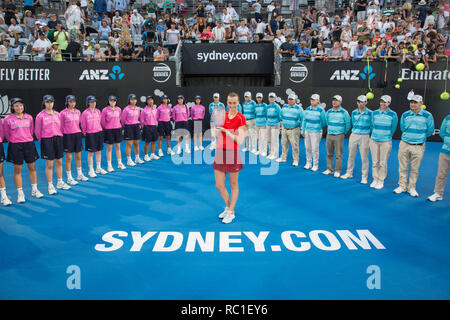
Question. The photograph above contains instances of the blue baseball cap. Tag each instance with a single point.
(15, 100)
(150, 97)
(90, 99)
(131, 96)
(48, 97)
(197, 97)
(180, 96)
(164, 96)
(111, 98)
(70, 98)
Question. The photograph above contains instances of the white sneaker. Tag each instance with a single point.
(327, 172)
(62, 185)
(160, 153)
(82, 177)
(315, 168)
(196, 148)
(399, 190)
(5, 201)
(337, 174)
(110, 169)
(51, 189)
(374, 183)
(228, 218)
(413, 192)
(201, 148)
(147, 158)
(280, 160)
(379, 185)
(131, 163)
(20, 197)
(139, 160)
(101, 171)
(307, 166)
(154, 157)
(72, 181)
(363, 180)
(170, 151)
(121, 166)
(212, 147)
(37, 194)
(187, 149)
(92, 174)
(346, 176)
(254, 151)
(224, 213)
(435, 197)
(178, 150)
(295, 163)
(245, 149)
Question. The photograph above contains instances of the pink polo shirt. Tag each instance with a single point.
(111, 118)
(197, 112)
(163, 113)
(148, 116)
(48, 125)
(1, 130)
(180, 113)
(90, 121)
(17, 130)
(70, 121)
(130, 116)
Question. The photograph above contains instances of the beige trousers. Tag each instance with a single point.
(441, 178)
(380, 154)
(409, 157)
(360, 141)
(290, 136)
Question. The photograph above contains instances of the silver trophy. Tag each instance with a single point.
(219, 116)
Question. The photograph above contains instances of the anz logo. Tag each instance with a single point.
(354, 74)
(102, 74)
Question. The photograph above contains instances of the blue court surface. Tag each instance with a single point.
(152, 232)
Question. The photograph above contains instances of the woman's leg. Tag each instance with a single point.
(49, 171)
(18, 175)
(58, 168)
(220, 185)
(68, 162)
(109, 152)
(233, 177)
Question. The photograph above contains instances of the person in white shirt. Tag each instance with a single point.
(442, 19)
(87, 53)
(218, 32)
(41, 46)
(227, 19)
(279, 39)
(172, 36)
(136, 21)
(232, 12)
(15, 30)
(243, 33)
(260, 27)
(210, 8)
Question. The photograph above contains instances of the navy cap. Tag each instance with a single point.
(197, 97)
(131, 96)
(111, 98)
(41, 33)
(48, 97)
(15, 100)
(150, 97)
(180, 96)
(90, 99)
(164, 96)
(70, 98)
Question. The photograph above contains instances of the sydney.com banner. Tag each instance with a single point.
(227, 58)
(85, 75)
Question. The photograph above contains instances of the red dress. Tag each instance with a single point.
(228, 157)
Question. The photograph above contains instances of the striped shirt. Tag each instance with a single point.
(384, 124)
(261, 114)
(273, 114)
(249, 109)
(338, 121)
(362, 122)
(313, 119)
(445, 134)
(416, 127)
(291, 117)
(213, 105)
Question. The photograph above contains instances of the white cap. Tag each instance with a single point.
(386, 98)
(259, 95)
(417, 98)
(216, 95)
(86, 43)
(272, 95)
(337, 97)
(292, 97)
(315, 96)
(247, 94)
(362, 98)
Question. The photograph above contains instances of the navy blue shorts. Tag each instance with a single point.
(164, 128)
(2, 152)
(22, 151)
(113, 136)
(94, 141)
(73, 142)
(150, 133)
(132, 132)
(181, 128)
(52, 148)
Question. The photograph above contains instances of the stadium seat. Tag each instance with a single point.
(24, 57)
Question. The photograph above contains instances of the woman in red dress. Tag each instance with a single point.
(227, 158)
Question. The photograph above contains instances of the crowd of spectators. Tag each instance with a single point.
(150, 30)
